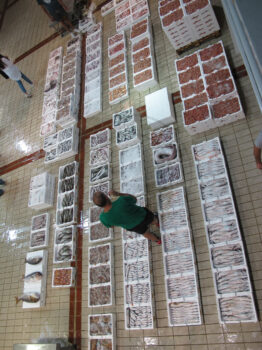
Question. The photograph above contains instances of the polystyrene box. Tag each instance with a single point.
(159, 109)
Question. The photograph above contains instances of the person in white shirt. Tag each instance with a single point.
(12, 71)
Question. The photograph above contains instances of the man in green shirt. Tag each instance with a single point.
(125, 213)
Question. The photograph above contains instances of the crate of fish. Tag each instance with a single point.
(232, 281)
(129, 235)
(168, 175)
(98, 232)
(128, 136)
(39, 231)
(68, 170)
(223, 231)
(94, 213)
(68, 184)
(162, 136)
(100, 173)
(211, 169)
(219, 209)
(228, 255)
(207, 150)
(165, 154)
(51, 155)
(214, 189)
(41, 194)
(139, 317)
(125, 118)
(101, 138)
(131, 171)
(135, 186)
(173, 219)
(136, 271)
(100, 296)
(100, 254)
(102, 187)
(66, 199)
(63, 277)
(101, 331)
(139, 293)
(65, 252)
(34, 291)
(135, 250)
(42, 180)
(68, 147)
(65, 235)
(130, 154)
(182, 313)
(170, 199)
(100, 156)
(66, 216)
(50, 141)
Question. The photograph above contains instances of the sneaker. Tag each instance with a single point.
(159, 242)
(1, 192)
(2, 182)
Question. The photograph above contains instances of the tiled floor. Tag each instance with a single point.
(24, 27)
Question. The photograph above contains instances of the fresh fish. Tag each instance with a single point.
(29, 298)
(65, 253)
(33, 260)
(33, 277)
(64, 236)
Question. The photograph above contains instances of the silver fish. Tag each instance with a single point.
(34, 260)
(29, 298)
(33, 277)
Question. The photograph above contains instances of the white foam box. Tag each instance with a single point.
(108, 337)
(165, 154)
(60, 184)
(51, 155)
(36, 286)
(159, 109)
(162, 136)
(71, 257)
(118, 94)
(60, 231)
(102, 169)
(130, 154)
(124, 118)
(128, 136)
(116, 44)
(101, 138)
(149, 81)
(167, 181)
(102, 186)
(62, 168)
(199, 126)
(92, 108)
(61, 196)
(47, 129)
(100, 155)
(69, 270)
(50, 141)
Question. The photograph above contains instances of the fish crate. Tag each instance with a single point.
(98, 233)
(101, 138)
(36, 266)
(125, 118)
(135, 186)
(50, 141)
(211, 169)
(63, 277)
(41, 194)
(67, 199)
(69, 183)
(100, 173)
(101, 331)
(39, 231)
(64, 253)
(51, 155)
(68, 148)
(170, 199)
(145, 79)
(130, 154)
(130, 171)
(65, 234)
(168, 175)
(118, 93)
(116, 44)
(129, 235)
(135, 250)
(165, 154)
(94, 213)
(100, 254)
(226, 250)
(66, 216)
(128, 136)
(102, 186)
(162, 136)
(139, 317)
(68, 170)
(100, 156)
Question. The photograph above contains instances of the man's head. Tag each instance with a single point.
(100, 199)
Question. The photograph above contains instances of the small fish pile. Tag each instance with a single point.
(237, 309)
(211, 168)
(64, 236)
(123, 117)
(136, 271)
(173, 219)
(62, 277)
(176, 241)
(67, 184)
(100, 138)
(184, 312)
(64, 253)
(65, 134)
(139, 317)
(99, 173)
(168, 175)
(98, 231)
(33, 277)
(135, 250)
(65, 146)
(101, 344)
(99, 274)
(228, 255)
(126, 134)
(37, 238)
(39, 222)
(101, 325)
(100, 295)
(179, 263)
(66, 215)
(162, 136)
(69, 170)
(100, 155)
(165, 154)
(68, 199)
(94, 214)
(181, 287)
(170, 199)
(99, 255)
(137, 293)
(219, 209)
(28, 297)
(207, 150)
(214, 188)
(224, 231)
(232, 281)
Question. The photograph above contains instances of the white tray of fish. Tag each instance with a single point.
(183, 313)
(214, 188)
(135, 187)
(64, 277)
(170, 199)
(101, 138)
(165, 154)
(34, 291)
(68, 184)
(100, 254)
(64, 252)
(218, 210)
(128, 136)
(68, 170)
(139, 293)
(168, 175)
(101, 274)
(179, 263)
(207, 150)
(100, 155)
(211, 168)
(40, 222)
(176, 241)
(94, 213)
(174, 219)
(98, 233)
(101, 331)
(100, 296)
(135, 250)
(131, 171)
(39, 239)
(125, 118)
(136, 271)
(65, 234)
(232, 281)
(50, 141)
(130, 154)
(103, 187)
(67, 216)
(100, 173)
(66, 199)
(139, 317)
(228, 255)
(162, 136)
(223, 231)
(129, 235)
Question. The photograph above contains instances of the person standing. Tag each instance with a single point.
(12, 71)
(125, 213)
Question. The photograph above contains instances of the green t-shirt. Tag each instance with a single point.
(124, 213)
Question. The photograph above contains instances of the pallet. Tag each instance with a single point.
(198, 42)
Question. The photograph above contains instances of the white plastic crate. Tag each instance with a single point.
(168, 175)
(162, 136)
(63, 277)
(67, 216)
(103, 187)
(99, 233)
(101, 138)
(101, 331)
(100, 156)
(107, 8)
(68, 170)
(130, 154)
(128, 136)
(100, 173)
(68, 184)
(36, 285)
(65, 252)
(235, 301)
(39, 231)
